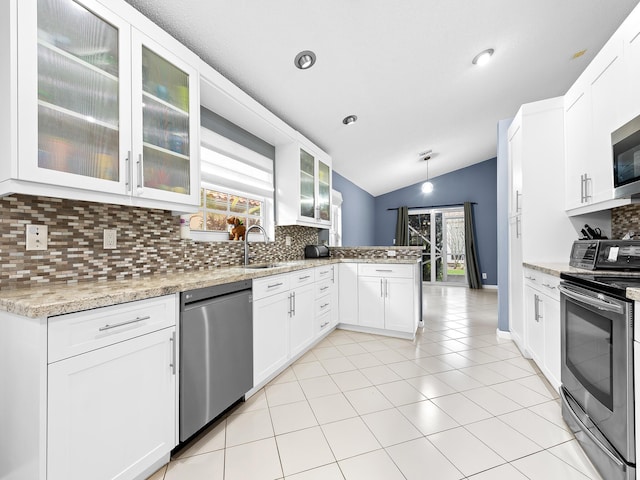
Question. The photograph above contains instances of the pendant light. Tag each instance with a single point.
(427, 186)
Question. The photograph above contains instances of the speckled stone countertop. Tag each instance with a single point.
(50, 300)
(557, 268)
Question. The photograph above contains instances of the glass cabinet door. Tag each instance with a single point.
(165, 125)
(78, 93)
(307, 185)
(324, 192)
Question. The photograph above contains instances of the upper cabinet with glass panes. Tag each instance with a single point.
(303, 182)
(107, 109)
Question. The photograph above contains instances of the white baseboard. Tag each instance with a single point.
(503, 334)
(490, 287)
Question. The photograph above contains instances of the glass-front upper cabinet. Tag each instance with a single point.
(307, 185)
(324, 191)
(165, 88)
(104, 107)
(74, 95)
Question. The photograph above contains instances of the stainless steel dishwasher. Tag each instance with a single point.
(216, 352)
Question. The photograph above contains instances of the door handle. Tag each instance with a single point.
(127, 169)
(294, 303)
(536, 308)
(381, 293)
(139, 165)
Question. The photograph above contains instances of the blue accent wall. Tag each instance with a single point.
(502, 174)
(358, 214)
(476, 183)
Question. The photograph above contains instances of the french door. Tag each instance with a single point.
(440, 232)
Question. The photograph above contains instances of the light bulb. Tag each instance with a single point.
(427, 187)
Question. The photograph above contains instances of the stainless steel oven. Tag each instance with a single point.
(597, 370)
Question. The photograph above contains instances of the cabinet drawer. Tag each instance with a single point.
(323, 288)
(301, 277)
(81, 332)
(265, 287)
(323, 322)
(385, 270)
(324, 272)
(323, 305)
(543, 282)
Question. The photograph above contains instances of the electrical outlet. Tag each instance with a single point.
(110, 239)
(484, 276)
(36, 237)
(287, 241)
(391, 253)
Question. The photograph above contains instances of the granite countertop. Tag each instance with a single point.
(556, 269)
(57, 299)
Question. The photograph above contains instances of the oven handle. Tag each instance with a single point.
(599, 303)
(587, 432)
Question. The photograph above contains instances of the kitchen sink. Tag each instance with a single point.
(259, 266)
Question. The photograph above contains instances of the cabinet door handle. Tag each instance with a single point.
(381, 292)
(536, 308)
(274, 285)
(587, 184)
(127, 168)
(173, 353)
(128, 322)
(139, 164)
(304, 278)
(518, 195)
(322, 289)
(530, 278)
(386, 288)
(324, 306)
(550, 287)
(582, 188)
(381, 270)
(517, 227)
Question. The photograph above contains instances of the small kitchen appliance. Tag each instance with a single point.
(316, 251)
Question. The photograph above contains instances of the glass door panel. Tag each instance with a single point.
(441, 235)
(307, 185)
(78, 91)
(324, 191)
(165, 125)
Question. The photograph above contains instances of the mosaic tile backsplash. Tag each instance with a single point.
(148, 243)
(625, 219)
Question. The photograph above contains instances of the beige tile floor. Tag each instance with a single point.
(455, 403)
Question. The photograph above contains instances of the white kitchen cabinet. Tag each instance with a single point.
(387, 297)
(539, 229)
(302, 311)
(325, 295)
(601, 100)
(335, 295)
(107, 109)
(542, 323)
(303, 179)
(93, 394)
(270, 326)
(110, 410)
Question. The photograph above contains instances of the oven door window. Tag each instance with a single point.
(589, 352)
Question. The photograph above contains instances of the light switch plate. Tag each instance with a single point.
(110, 239)
(391, 253)
(36, 237)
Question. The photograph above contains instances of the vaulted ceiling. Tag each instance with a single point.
(404, 68)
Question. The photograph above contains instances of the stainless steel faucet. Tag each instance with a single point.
(246, 240)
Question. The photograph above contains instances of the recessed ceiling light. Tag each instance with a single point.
(348, 120)
(305, 60)
(483, 57)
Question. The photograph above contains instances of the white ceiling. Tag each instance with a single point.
(403, 67)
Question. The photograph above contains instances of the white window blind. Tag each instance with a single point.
(234, 167)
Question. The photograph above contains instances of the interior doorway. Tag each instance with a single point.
(440, 233)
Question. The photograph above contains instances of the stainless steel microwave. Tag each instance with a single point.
(625, 142)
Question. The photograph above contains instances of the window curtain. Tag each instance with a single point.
(471, 254)
(402, 227)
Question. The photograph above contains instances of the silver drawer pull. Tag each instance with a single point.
(323, 306)
(529, 278)
(322, 289)
(275, 285)
(377, 270)
(550, 287)
(116, 325)
(324, 325)
(304, 278)
(325, 272)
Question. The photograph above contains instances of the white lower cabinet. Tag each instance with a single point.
(542, 322)
(301, 319)
(381, 298)
(270, 334)
(111, 411)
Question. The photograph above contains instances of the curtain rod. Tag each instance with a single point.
(436, 206)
